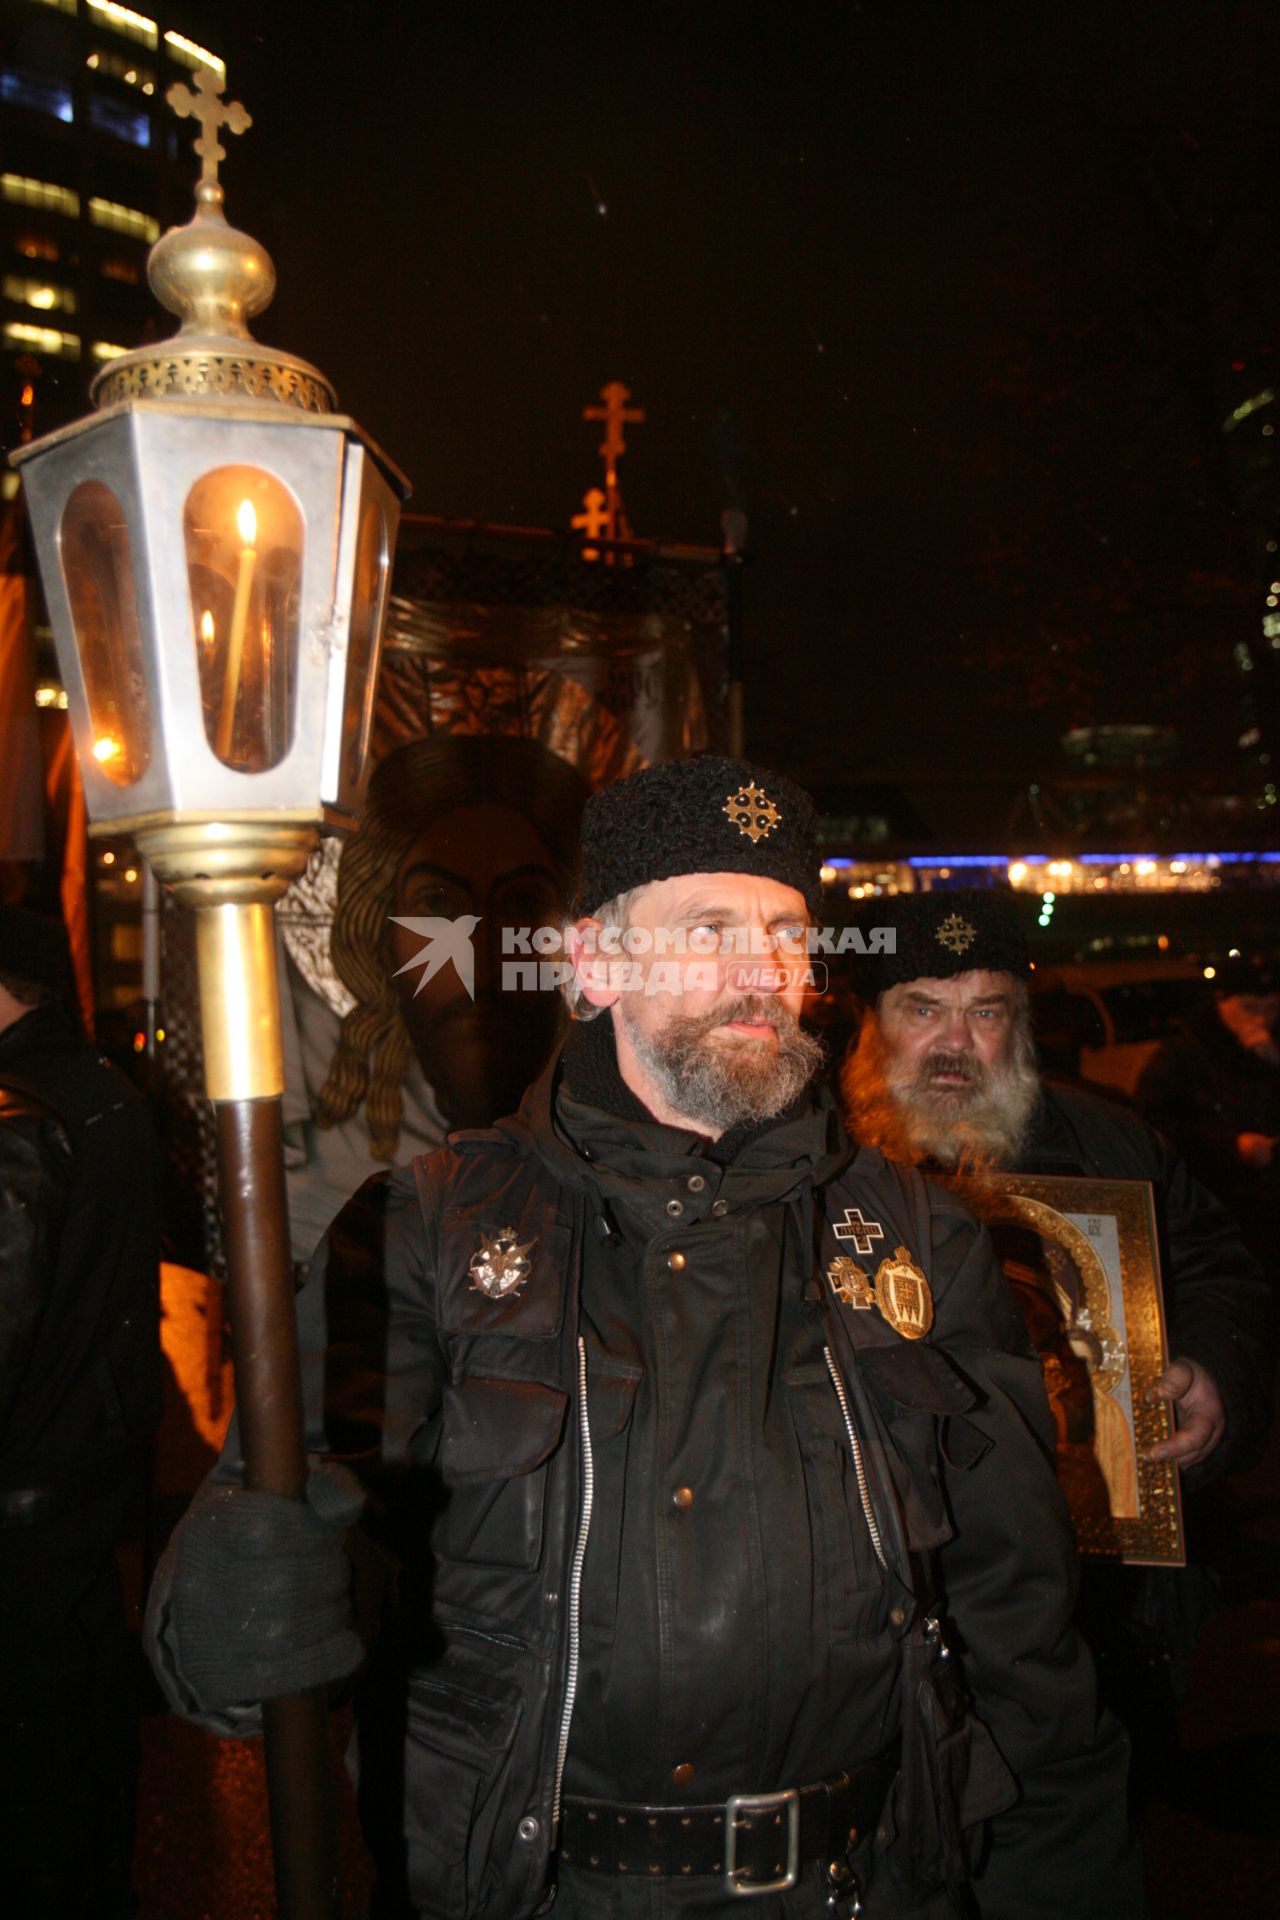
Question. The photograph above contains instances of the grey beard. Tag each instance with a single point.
(984, 1125)
(721, 1086)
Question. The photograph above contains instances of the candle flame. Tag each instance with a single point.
(247, 522)
(106, 748)
(206, 627)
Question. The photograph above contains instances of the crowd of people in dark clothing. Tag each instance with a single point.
(713, 1382)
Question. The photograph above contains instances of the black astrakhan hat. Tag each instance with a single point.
(938, 935)
(705, 815)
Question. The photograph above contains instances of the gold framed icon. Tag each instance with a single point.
(1083, 1260)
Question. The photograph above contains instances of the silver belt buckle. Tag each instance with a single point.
(740, 1803)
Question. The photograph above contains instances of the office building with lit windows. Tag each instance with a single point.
(92, 168)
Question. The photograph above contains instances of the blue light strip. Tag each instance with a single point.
(842, 862)
(1236, 859)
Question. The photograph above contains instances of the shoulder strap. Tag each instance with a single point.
(27, 1097)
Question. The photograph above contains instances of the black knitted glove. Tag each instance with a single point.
(252, 1598)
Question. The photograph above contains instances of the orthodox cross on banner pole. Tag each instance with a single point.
(615, 415)
(205, 106)
(593, 522)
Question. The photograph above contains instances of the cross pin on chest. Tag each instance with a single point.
(854, 1227)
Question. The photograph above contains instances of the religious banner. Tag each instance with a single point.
(1082, 1259)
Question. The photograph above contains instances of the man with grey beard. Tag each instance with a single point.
(751, 1582)
(943, 1076)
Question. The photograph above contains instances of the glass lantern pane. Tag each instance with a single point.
(244, 537)
(97, 565)
(368, 594)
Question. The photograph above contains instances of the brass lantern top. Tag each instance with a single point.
(214, 278)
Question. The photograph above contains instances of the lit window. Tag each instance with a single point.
(134, 26)
(109, 116)
(106, 350)
(37, 246)
(39, 193)
(39, 294)
(180, 48)
(42, 96)
(119, 66)
(109, 213)
(123, 270)
(21, 338)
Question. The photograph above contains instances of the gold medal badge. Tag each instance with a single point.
(903, 1295)
(849, 1283)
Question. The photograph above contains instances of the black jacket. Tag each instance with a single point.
(414, 1371)
(79, 1273)
(1220, 1308)
(1203, 1089)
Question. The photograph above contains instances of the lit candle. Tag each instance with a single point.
(247, 523)
(206, 628)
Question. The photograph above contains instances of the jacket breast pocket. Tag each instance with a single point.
(611, 1398)
(845, 1568)
(496, 1439)
(460, 1730)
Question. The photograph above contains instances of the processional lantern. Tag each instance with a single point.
(215, 543)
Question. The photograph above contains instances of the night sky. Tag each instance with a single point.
(947, 295)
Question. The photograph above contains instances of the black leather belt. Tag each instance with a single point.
(756, 1842)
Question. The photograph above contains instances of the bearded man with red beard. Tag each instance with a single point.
(943, 1076)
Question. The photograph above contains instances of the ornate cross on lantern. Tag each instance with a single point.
(207, 106)
(861, 1232)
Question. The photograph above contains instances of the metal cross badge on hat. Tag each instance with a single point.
(500, 1266)
(956, 934)
(752, 813)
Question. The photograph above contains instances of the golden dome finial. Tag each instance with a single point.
(214, 278)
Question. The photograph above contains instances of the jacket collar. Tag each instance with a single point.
(633, 1158)
(43, 1027)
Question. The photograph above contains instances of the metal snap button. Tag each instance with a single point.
(719, 1208)
(528, 1828)
(697, 1182)
(675, 1208)
(682, 1498)
(682, 1774)
(676, 1260)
